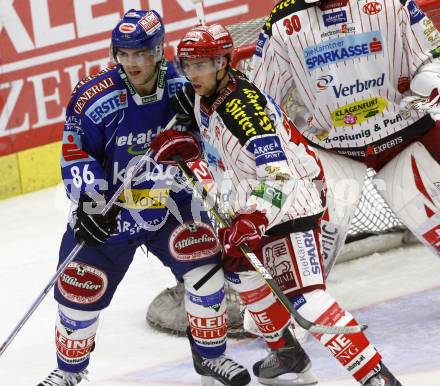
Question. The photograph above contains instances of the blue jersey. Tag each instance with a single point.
(107, 125)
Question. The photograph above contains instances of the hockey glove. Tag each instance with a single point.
(90, 226)
(429, 105)
(170, 143)
(246, 228)
(183, 104)
(425, 85)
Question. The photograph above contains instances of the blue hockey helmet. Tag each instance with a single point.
(138, 29)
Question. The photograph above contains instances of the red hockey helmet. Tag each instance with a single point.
(205, 41)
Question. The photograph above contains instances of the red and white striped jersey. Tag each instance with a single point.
(246, 142)
(347, 64)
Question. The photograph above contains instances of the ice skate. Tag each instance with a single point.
(381, 377)
(62, 378)
(287, 366)
(219, 371)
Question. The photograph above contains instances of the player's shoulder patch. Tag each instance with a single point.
(415, 13)
(93, 88)
(108, 71)
(281, 10)
(243, 112)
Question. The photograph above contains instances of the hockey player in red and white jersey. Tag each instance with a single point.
(361, 77)
(264, 174)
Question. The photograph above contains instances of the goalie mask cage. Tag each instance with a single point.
(374, 227)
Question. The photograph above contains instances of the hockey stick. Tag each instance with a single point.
(200, 11)
(129, 176)
(225, 221)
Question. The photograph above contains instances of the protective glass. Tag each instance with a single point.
(139, 58)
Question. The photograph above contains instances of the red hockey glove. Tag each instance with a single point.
(245, 228)
(170, 143)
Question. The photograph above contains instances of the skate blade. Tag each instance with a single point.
(306, 378)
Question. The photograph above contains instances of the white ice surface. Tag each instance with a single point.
(396, 293)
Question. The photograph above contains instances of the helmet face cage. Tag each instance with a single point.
(139, 29)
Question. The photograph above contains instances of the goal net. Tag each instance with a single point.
(374, 227)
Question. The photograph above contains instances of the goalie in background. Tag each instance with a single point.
(361, 81)
(110, 121)
(265, 174)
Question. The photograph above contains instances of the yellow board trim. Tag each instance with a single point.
(30, 170)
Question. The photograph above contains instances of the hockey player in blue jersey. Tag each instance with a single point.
(110, 120)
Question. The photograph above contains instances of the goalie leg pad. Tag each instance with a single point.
(269, 315)
(410, 185)
(353, 351)
(344, 179)
(206, 312)
(75, 337)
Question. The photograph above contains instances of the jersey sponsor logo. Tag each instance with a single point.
(431, 32)
(270, 194)
(358, 86)
(433, 236)
(334, 18)
(307, 256)
(415, 13)
(204, 118)
(403, 84)
(276, 173)
(193, 241)
(298, 301)
(92, 91)
(73, 123)
(208, 331)
(358, 112)
(245, 112)
(107, 105)
(435, 52)
(278, 260)
(127, 28)
(152, 171)
(332, 4)
(89, 78)
(211, 300)
(82, 283)
(341, 49)
(73, 351)
(137, 143)
(255, 295)
(387, 145)
(345, 350)
(144, 198)
(348, 137)
(266, 149)
(70, 148)
(175, 85)
(372, 8)
(323, 82)
(342, 29)
(212, 156)
(260, 44)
